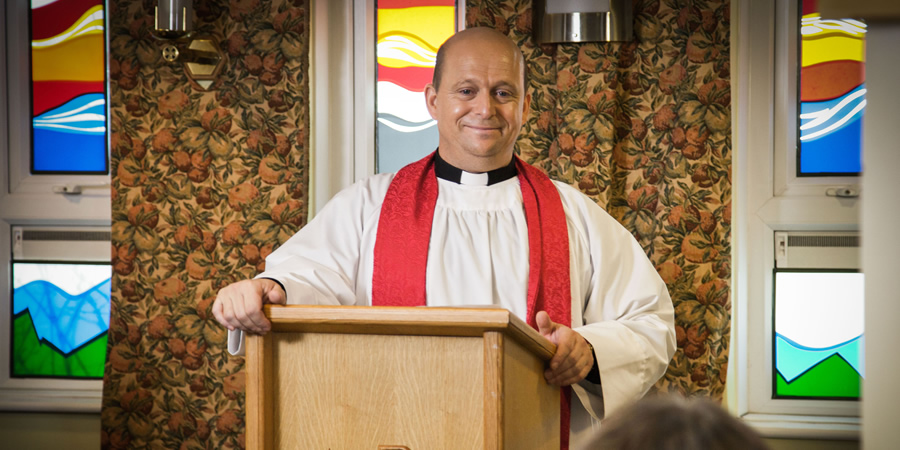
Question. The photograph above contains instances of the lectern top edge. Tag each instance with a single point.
(425, 321)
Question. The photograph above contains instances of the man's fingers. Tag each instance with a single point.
(565, 364)
(571, 376)
(545, 325)
(571, 373)
(239, 312)
(563, 350)
(248, 310)
(572, 360)
(239, 305)
(217, 311)
(274, 294)
(228, 314)
(566, 369)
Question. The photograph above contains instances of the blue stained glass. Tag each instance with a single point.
(793, 359)
(62, 136)
(68, 79)
(66, 321)
(830, 155)
(60, 319)
(60, 153)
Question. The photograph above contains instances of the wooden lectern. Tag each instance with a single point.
(392, 378)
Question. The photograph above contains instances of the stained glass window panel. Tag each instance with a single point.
(60, 319)
(67, 87)
(819, 338)
(409, 35)
(832, 94)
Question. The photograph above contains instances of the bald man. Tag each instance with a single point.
(471, 224)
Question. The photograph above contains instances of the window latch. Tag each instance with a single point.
(843, 192)
(76, 189)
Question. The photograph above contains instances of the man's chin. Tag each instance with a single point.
(488, 152)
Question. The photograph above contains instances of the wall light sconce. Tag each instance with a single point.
(174, 18)
(201, 56)
(567, 21)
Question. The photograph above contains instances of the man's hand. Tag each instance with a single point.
(573, 359)
(239, 305)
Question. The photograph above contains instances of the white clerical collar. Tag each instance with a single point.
(473, 179)
(446, 171)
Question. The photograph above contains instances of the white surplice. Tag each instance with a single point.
(478, 255)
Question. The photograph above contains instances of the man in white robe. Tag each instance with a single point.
(622, 335)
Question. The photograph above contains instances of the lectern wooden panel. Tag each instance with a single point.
(343, 377)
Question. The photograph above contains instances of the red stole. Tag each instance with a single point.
(404, 232)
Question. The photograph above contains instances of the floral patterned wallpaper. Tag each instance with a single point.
(644, 128)
(204, 185)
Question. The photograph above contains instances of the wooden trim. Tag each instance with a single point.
(422, 321)
(493, 390)
(530, 339)
(259, 417)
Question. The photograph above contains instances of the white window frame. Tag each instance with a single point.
(768, 198)
(338, 156)
(30, 200)
(19, 130)
(343, 126)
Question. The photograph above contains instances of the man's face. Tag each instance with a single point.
(480, 104)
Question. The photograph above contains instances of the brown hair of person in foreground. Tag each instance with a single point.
(675, 423)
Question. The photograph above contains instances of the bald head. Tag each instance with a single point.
(470, 40)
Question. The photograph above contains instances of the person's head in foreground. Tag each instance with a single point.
(675, 423)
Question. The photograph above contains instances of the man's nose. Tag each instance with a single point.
(484, 104)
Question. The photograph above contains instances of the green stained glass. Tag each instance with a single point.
(34, 358)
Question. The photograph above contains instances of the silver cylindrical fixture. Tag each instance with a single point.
(558, 27)
(173, 18)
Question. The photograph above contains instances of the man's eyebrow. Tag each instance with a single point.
(501, 84)
(507, 85)
(462, 82)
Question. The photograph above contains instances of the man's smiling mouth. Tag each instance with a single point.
(482, 128)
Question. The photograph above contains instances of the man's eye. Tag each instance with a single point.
(465, 91)
(504, 94)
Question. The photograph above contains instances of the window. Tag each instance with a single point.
(56, 183)
(818, 316)
(60, 307)
(68, 87)
(773, 202)
(818, 334)
(832, 94)
(409, 35)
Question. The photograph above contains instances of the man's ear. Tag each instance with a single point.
(430, 100)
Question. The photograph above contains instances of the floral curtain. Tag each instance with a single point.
(204, 185)
(644, 128)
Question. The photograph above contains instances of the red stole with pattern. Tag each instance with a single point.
(404, 232)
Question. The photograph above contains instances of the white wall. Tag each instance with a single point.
(880, 242)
